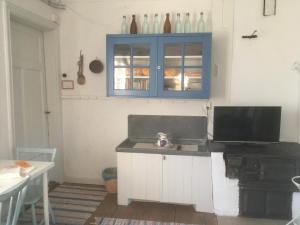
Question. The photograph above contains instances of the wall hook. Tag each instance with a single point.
(251, 36)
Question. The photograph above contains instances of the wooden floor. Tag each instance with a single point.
(152, 211)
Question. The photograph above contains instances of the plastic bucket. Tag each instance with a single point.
(110, 178)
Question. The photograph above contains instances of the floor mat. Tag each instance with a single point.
(72, 204)
(116, 221)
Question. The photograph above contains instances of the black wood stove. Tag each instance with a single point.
(264, 174)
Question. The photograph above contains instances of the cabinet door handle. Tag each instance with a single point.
(158, 67)
(164, 157)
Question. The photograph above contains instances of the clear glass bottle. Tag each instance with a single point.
(124, 26)
(187, 24)
(156, 25)
(145, 26)
(178, 26)
(201, 23)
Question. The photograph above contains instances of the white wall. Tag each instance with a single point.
(93, 128)
(262, 69)
(256, 72)
(35, 6)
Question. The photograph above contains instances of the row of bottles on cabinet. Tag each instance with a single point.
(148, 27)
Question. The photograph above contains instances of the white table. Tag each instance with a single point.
(40, 168)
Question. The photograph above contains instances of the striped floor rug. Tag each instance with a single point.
(72, 204)
(115, 221)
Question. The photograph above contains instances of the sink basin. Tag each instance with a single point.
(176, 147)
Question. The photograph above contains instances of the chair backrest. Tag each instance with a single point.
(14, 200)
(36, 154)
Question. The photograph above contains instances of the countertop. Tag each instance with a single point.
(288, 149)
(282, 149)
(128, 146)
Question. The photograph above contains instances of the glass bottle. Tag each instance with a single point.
(187, 24)
(201, 23)
(145, 26)
(124, 26)
(167, 25)
(178, 26)
(133, 26)
(156, 27)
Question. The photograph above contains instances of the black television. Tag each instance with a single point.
(247, 124)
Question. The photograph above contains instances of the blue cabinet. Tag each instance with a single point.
(159, 66)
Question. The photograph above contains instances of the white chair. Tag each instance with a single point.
(296, 220)
(13, 200)
(35, 187)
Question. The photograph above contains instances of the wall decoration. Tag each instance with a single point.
(58, 4)
(251, 36)
(67, 84)
(96, 66)
(269, 7)
(81, 77)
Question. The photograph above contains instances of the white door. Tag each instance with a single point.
(28, 84)
(177, 179)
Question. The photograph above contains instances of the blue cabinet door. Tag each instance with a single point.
(131, 66)
(184, 66)
(159, 66)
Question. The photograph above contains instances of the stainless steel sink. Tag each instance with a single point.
(175, 147)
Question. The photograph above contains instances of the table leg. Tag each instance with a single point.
(45, 198)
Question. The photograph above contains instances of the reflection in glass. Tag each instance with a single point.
(122, 55)
(141, 55)
(172, 79)
(122, 79)
(141, 78)
(193, 54)
(192, 79)
(141, 72)
(173, 55)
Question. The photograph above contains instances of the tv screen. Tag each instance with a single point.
(246, 124)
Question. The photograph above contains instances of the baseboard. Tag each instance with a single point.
(83, 180)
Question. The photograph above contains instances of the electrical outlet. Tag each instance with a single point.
(296, 67)
(209, 105)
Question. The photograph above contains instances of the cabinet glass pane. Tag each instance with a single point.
(141, 55)
(122, 79)
(122, 55)
(172, 55)
(193, 54)
(172, 79)
(192, 79)
(141, 78)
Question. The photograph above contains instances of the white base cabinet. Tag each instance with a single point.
(165, 178)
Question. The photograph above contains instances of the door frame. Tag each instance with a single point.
(50, 27)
